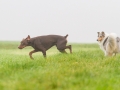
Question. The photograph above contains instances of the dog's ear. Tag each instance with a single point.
(28, 38)
(98, 33)
(118, 39)
(103, 34)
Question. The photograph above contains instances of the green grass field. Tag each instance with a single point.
(85, 69)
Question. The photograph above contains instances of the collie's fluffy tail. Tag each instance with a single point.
(112, 41)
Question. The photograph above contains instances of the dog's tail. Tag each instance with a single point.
(112, 41)
(66, 36)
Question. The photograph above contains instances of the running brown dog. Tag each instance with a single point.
(45, 42)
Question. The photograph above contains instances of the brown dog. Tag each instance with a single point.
(43, 43)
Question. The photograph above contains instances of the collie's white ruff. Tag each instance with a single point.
(110, 44)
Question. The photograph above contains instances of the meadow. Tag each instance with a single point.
(85, 69)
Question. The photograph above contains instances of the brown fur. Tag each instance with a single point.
(43, 43)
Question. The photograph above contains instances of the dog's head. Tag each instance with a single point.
(24, 42)
(101, 36)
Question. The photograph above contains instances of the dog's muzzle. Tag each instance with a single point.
(21, 47)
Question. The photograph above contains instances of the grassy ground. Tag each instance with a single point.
(85, 69)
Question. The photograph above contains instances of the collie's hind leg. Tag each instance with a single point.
(105, 53)
(114, 54)
(109, 54)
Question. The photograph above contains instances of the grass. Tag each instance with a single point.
(85, 69)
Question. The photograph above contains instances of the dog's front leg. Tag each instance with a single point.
(70, 47)
(30, 54)
(41, 48)
(105, 53)
(44, 53)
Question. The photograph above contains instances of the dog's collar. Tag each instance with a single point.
(105, 41)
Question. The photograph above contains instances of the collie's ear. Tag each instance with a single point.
(98, 33)
(118, 39)
(103, 34)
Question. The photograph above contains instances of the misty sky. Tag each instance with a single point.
(81, 19)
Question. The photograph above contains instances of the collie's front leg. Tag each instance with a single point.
(105, 53)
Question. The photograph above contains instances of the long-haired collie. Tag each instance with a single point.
(109, 43)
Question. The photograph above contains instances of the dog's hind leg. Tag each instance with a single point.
(30, 54)
(109, 54)
(44, 53)
(114, 54)
(62, 48)
(70, 48)
(62, 51)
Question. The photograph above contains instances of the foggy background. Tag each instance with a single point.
(81, 19)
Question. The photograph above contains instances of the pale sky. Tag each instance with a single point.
(81, 19)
